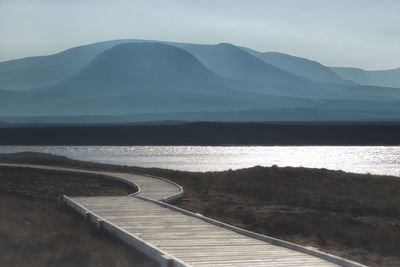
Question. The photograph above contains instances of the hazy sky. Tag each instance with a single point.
(356, 33)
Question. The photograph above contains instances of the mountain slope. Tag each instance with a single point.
(388, 78)
(157, 78)
(40, 71)
(233, 62)
(140, 78)
(33, 72)
(300, 66)
(247, 72)
(142, 65)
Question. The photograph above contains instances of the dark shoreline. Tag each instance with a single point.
(206, 133)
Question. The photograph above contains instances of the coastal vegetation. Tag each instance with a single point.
(356, 216)
(36, 230)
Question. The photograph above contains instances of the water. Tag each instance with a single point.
(372, 159)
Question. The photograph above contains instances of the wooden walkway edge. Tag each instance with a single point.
(176, 237)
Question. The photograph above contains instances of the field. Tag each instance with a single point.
(35, 230)
(351, 215)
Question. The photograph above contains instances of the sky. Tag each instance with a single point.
(351, 33)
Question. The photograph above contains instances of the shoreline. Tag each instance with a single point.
(142, 156)
(206, 134)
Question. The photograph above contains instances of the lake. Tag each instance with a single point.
(360, 159)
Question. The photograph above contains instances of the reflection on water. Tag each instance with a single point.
(372, 159)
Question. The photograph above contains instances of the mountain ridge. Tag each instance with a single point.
(300, 66)
(33, 72)
(130, 78)
(388, 78)
(134, 77)
(233, 62)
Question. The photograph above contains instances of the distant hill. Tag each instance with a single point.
(148, 79)
(142, 65)
(257, 115)
(40, 71)
(33, 72)
(224, 59)
(238, 63)
(140, 78)
(300, 66)
(233, 62)
(388, 78)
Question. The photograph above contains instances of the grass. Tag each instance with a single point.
(50, 184)
(35, 230)
(351, 215)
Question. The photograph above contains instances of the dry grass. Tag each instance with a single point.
(50, 184)
(37, 231)
(351, 215)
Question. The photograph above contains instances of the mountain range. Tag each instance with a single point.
(134, 78)
(389, 78)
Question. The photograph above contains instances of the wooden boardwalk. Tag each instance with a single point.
(175, 237)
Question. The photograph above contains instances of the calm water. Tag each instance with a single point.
(373, 159)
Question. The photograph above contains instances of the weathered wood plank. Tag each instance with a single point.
(193, 240)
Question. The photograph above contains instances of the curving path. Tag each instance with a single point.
(175, 237)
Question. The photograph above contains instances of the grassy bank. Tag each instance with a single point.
(37, 231)
(351, 215)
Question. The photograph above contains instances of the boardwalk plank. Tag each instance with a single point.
(187, 238)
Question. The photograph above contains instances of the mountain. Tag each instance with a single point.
(388, 78)
(33, 72)
(248, 72)
(233, 62)
(42, 71)
(142, 65)
(116, 78)
(140, 78)
(300, 66)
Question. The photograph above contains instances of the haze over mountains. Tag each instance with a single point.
(389, 78)
(138, 80)
(303, 67)
(233, 62)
